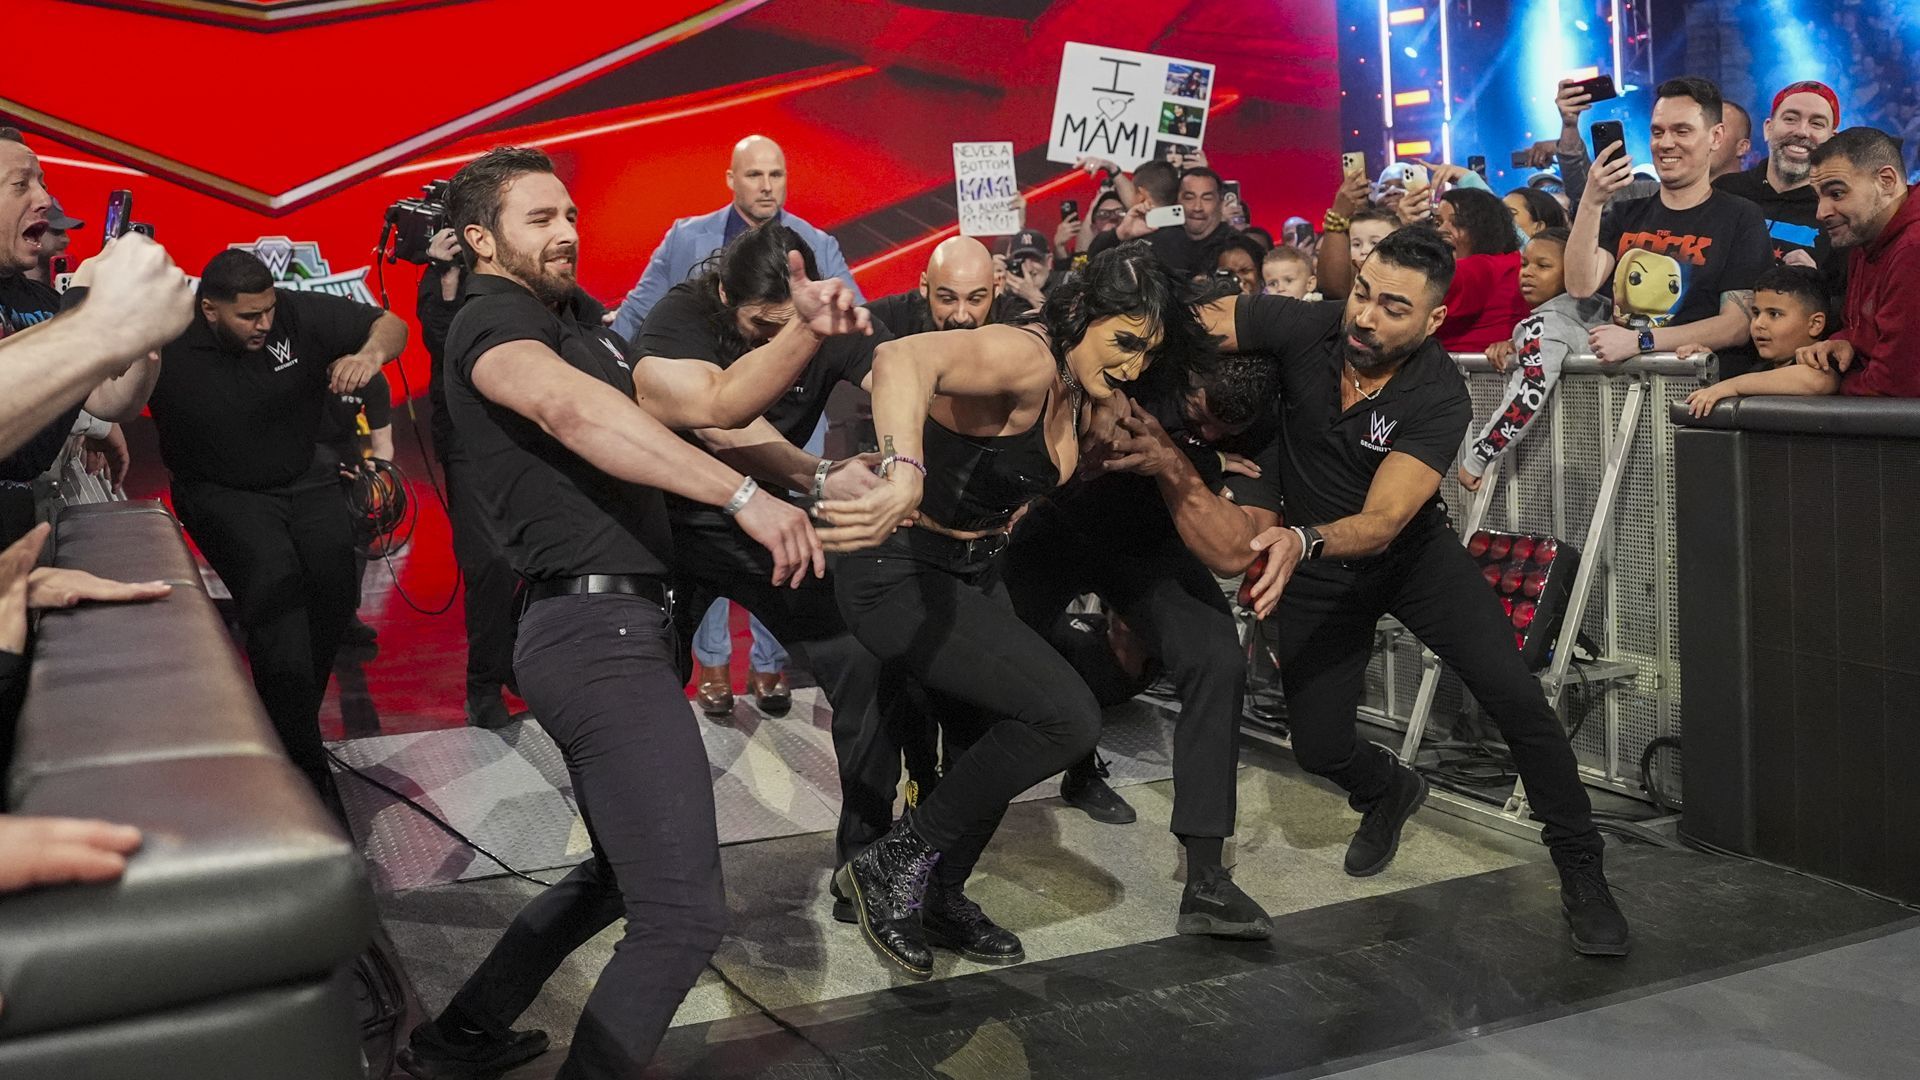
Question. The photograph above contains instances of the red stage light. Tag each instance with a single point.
(1500, 546)
(1477, 543)
(1520, 641)
(1523, 548)
(1510, 582)
(1523, 613)
(1545, 551)
(1492, 574)
(1536, 583)
(1506, 604)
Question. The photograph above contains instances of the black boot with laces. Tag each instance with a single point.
(887, 884)
(1214, 906)
(953, 922)
(1378, 837)
(1598, 927)
(1085, 786)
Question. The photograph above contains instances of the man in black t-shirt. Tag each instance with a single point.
(1372, 411)
(237, 409)
(573, 451)
(956, 293)
(1112, 535)
(739, 309)
(1805, 115)
(1680, 264)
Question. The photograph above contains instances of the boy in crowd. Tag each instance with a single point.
(1541, 343)
(1286, 271)
(1789, 314)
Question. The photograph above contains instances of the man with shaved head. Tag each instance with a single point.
(757, 175)
(956, 293)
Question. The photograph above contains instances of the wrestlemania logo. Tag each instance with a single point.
(300, 267)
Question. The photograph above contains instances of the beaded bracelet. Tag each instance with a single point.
(886, 464)
(1335, 223)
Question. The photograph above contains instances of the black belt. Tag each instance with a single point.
(966, 552)
(640, 585)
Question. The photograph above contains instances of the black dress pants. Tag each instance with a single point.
(1174, 605)
(286, 554)
(1326, 621)
(488, 581)
(599, 673)
(1014, 711)
(713, 558)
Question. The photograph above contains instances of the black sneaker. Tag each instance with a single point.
(1378, 837)
(1085, 786)
(485, 709)
(1213, 905)
(1599, 929)
(429, 1055)
(887, 883)
(953, 922)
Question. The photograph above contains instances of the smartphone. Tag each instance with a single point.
(1162, 216)
(1478, 163)
(1521, 159)
(1354, 164)
(1599, 88)
(1417, 176)
(141, 227)
(1229, 189)
(60, 264)
(1069, 209)
(119, 215)
(1606, 133)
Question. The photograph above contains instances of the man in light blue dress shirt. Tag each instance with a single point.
(758, 176)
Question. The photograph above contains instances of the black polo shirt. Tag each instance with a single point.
(685, 325)
(554, 514)
(1324, 458)
(250, 420)
(1182, 255)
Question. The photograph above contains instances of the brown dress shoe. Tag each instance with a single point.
(770, 692)
(715, 693)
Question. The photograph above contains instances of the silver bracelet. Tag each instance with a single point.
(820, 472)
(740, 496)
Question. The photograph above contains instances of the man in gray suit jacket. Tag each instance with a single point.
(758, 177)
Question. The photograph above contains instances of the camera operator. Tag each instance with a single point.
(487, 581)
(237, 408)
(25, 210)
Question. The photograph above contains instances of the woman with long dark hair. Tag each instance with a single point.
(1484, 304)
(975, 424)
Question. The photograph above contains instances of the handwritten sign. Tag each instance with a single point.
(985, 188)
(1127, 107)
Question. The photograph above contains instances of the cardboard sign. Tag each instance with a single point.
(1127, 107)
(985, 188)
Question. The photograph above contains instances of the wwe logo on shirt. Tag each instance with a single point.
(282, 353)
(1380, 432)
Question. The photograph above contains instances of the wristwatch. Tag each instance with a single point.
(1311, 542)
(1646, 341)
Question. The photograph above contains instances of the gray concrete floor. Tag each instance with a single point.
(1064, 883)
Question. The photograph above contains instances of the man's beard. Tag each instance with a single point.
(231, 341)
(958, 322)
(1793, 172)
(1374, 359)
(548, 286)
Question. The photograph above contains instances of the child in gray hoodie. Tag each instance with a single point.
(1541, 344)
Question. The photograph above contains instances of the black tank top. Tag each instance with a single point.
(975, 482)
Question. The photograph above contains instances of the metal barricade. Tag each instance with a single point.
(1596, 469)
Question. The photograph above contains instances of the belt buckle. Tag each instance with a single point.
(998, 542)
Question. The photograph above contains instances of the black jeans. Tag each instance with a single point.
(598, 672)
(1014, 712)
(1326, 621)
(712, 559)
(287, 557)
(1176, 608)
(488, 581)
